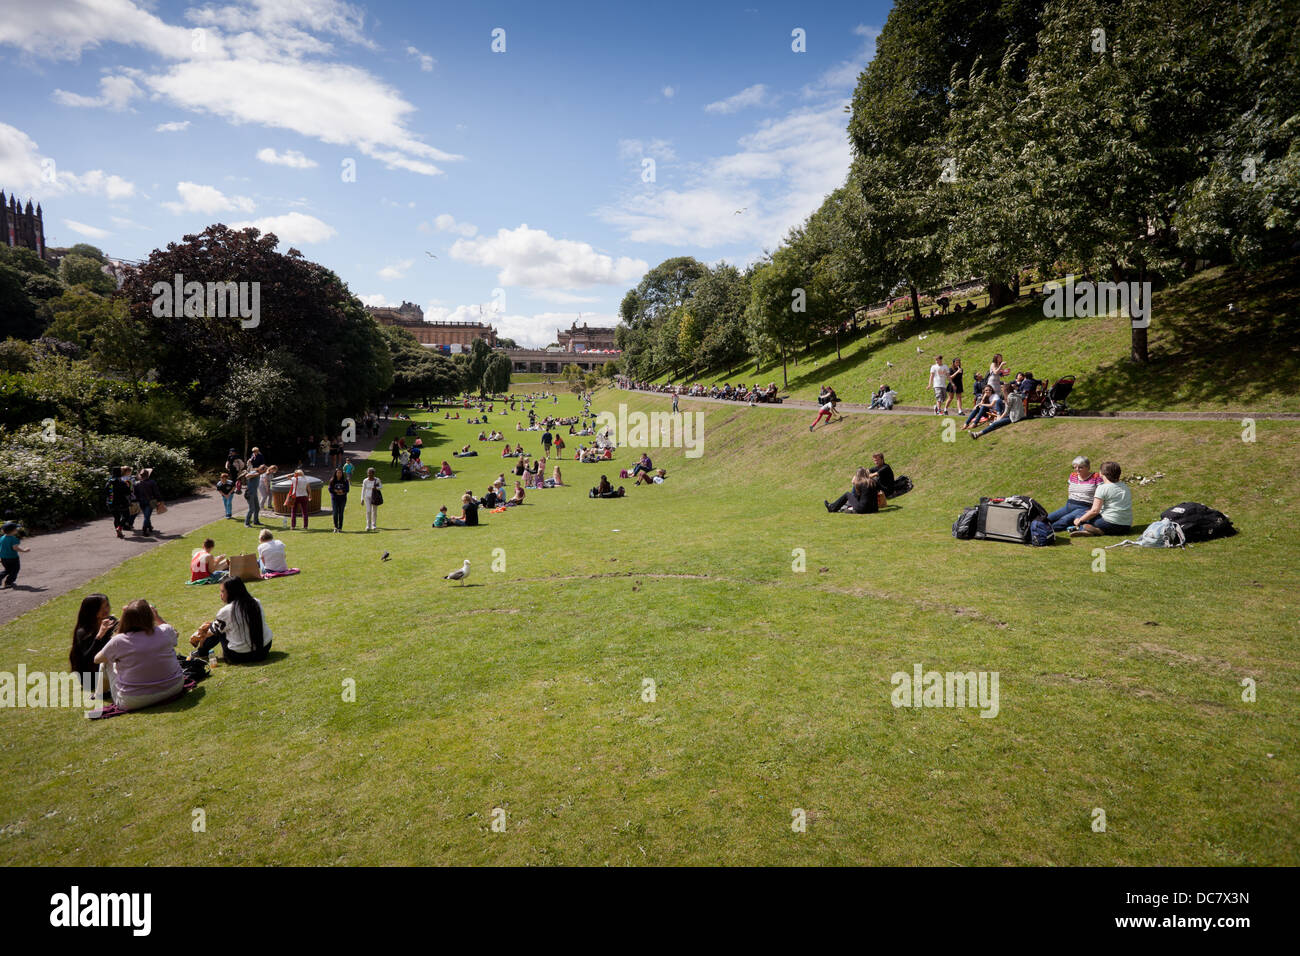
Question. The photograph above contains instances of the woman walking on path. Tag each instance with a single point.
(149, 497)
(119, 498)
(373, 498)
(298, 497)
(9, 555)
(339, 488)
(955, 372)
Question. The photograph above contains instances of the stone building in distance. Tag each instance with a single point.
(586, 339)
(23, 228)
(410, 316)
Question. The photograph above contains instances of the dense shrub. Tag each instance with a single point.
(46, 483)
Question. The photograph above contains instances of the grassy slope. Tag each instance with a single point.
(1118, 689)
(1202, 358)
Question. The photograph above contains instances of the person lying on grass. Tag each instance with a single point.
(1082, 488)
(862, 498)
(240, 627)
(204, 565)
(466, 452)
(140, 665)
(1112, 506)
(646, 478)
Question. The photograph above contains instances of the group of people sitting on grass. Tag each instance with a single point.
(131, 662)
(497, 499)
(493, 436)
(868, 489)
(1097, 502)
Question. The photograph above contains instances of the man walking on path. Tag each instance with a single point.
(674, 400)
(253, 481)
(939, 382)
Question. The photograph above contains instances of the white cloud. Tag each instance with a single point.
(447, 223)
(62, 30)
(115, 92)
(397, 269)
(755, 95)
(669, 92)
(292, 228)
(290, 157)
(564, 298)
(779, 176)
(378, 300)
(844, 75)
(207, 200)
(331, 102)
(176, 126)
(426, 61)
(22, 167)
(243, 62)
(637, 149)
(536, 260)
(94, 232)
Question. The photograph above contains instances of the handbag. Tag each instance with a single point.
(376, 496)
(160, 508)
(135, 508)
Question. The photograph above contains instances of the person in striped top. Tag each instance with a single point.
(1083, 487)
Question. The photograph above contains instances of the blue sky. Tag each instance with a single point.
(525, 171)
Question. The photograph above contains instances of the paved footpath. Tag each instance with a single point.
(849, 408)
(64, 560)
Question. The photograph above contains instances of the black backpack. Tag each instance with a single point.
(964, 527)
(902, 485)
(1199, 522)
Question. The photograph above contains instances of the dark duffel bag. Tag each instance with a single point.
(1008, 519)
(1199, 522)
(964, 527)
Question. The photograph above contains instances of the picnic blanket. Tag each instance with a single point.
(112, 710)
(216, 577)
(280, 574)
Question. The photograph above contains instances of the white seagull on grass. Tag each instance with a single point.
(459, 575)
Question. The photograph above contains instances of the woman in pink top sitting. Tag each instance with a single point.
(140, 663)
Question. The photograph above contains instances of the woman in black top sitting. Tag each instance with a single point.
(94, 627)
(861, 496)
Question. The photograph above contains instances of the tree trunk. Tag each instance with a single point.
(916, 303)
(1000, 294)
(245, 439)
(838, 356)
(1139, 350)
(1139, 347)
(785, 377)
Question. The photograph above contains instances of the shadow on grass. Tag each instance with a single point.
(1202, 353)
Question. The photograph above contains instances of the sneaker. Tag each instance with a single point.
(810, 427)
(973, 435)
(828, 505)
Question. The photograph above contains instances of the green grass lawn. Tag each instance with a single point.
(1202, 357)
(1119, 690)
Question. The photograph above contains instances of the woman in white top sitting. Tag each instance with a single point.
(240, 627)
(270, 553)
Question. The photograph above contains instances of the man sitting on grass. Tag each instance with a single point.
(270, 553)
(884, 475)
(1112, 508)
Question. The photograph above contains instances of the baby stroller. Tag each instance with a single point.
(1055, 403)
